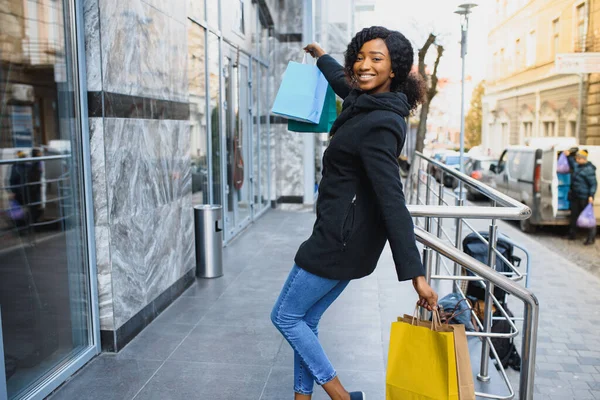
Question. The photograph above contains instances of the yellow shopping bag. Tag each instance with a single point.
(421, 361)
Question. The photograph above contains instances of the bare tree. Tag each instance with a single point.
(432, 81)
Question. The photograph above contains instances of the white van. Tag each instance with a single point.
(528, 174)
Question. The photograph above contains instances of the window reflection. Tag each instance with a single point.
(214, 87)
(43, 276)
(198, 121)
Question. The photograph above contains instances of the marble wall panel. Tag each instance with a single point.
(129, 247)
(91, 20)
(163, 253)
(157, 156)
(121, 27)
(104, 269)
(176, 9)
(177, 56)
(144, 49)
(154, 49)
(289, 17)
(290, 171)
(98, 171)
(126, 176)
(187, 241)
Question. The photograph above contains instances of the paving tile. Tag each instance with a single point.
(365, 353)
(156, 342)
(220, 344)
(108, 378)
(184, 310)
(181, 380)
(240, 312)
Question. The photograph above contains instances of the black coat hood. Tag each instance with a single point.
(359, 102)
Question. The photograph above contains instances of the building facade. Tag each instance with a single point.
(526, 97)
(116, 118)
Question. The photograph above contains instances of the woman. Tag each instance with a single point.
(360, 204)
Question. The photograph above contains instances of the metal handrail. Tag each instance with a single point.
(514, 209)
(531, 302)
(34, 159)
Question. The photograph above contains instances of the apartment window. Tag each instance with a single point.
(580, 15)
(555, 35)
(240, 17)
(531, 48)
(527, 129)
(571, 129)
(549, 128)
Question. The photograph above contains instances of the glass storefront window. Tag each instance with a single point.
(214, 90)
(264, 136)
(212, 13)
(264, 42)
(198, 120)
(256, 134)
(44, 274)
(196, 9)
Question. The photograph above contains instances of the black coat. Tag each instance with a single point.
(361, 204)
(583, 179)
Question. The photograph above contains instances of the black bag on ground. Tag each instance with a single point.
(473, 246)
(506, 349)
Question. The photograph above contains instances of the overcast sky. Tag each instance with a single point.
(416, 19)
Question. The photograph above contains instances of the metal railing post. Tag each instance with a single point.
(440, 228)
(418, 188)
(528, 350)
(458, 232)
(427, 253)
(489, 289)
(428, 191)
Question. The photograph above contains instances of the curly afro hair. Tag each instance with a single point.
(402, 57)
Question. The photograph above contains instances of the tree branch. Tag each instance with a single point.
(423, 52)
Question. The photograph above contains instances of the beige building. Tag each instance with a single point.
(525, 96)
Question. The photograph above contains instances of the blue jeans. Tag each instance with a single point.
(296, 314)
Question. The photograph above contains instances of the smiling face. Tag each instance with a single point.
(373, 67)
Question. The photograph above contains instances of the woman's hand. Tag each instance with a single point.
(591, 200)
(314, 50)
(427, 296)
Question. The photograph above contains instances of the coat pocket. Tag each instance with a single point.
(348, 223)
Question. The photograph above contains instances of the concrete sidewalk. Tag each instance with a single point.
(217, 342)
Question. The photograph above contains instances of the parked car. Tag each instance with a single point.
(437, 155)
(479, 168)
(452, 160)
(528, 174)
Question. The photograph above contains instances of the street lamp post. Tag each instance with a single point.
(463, 10)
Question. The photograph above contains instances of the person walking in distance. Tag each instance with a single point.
(360, 205)
(583, 190)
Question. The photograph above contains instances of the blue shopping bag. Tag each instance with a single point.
(302, 93)
(587, 219)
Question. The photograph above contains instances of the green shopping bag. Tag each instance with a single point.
(328, 116)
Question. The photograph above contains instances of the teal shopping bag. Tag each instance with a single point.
(301, 94)
(328, 116)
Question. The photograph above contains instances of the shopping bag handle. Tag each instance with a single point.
(436, 322)
(304, 59)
